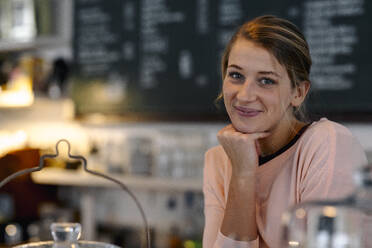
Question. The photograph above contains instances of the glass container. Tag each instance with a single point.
(66, 235)
(344, 223)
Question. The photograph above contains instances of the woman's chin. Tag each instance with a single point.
(244, 128)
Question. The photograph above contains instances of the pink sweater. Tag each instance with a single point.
(318, 166)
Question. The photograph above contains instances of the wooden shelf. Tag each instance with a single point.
(41, 42)
(53, 176)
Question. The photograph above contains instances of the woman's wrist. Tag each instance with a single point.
(243, 182)
(243, 172)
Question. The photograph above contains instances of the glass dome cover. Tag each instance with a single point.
(66, 235)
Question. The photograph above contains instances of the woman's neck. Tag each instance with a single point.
(282, 134)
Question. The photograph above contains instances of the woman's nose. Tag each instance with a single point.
(247, 91)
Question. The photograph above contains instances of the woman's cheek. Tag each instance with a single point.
(228, 91)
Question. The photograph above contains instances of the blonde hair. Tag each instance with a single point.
(283, 40)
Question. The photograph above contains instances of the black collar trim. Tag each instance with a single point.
(265, 159)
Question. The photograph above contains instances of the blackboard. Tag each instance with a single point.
(163, 56)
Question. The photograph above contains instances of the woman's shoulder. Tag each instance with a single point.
(216, 159)
(216, 154)
(324, 129)
(328, 137)
(215, 151)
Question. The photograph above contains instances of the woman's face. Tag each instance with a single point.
(256, 89)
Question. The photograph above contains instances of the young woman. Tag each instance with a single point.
(269, 158)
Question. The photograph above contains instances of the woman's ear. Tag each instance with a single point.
(300, 93)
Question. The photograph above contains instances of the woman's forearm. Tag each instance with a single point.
(239, 221)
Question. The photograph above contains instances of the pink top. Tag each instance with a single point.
(318, 166)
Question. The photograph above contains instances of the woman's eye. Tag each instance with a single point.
(235, 75)
(267, 81)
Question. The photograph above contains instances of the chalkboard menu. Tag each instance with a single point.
(163, 56)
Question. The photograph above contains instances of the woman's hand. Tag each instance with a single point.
(240, 213)
(241, 148)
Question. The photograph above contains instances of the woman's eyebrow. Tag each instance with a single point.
(235, 66)
(260, 72)
(270, 73)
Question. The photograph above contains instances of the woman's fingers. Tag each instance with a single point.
(260, 135)
(230, 131)
(241, 148)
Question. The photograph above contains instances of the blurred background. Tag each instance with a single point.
(132, 85)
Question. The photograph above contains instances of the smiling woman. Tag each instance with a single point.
(270, 158)
(257, 91)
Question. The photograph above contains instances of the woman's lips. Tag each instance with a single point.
(247, 112)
